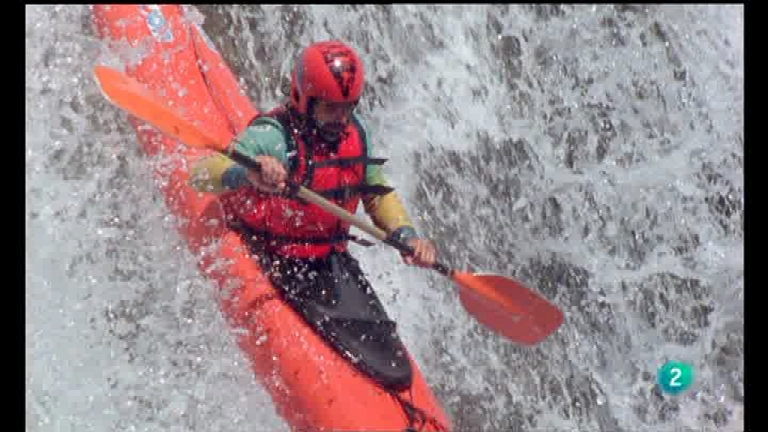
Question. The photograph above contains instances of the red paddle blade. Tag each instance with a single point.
(130, 95)
(508, 307)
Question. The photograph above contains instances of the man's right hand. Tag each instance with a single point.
(272, 178)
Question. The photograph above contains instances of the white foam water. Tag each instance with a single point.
(593, 152)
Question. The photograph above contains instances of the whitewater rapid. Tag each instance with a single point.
(593, 152)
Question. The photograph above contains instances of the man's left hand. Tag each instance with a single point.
(424, 253)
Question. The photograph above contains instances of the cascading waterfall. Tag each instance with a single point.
(593, 152)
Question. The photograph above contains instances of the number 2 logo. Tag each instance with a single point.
(676, 373)
(675, 377)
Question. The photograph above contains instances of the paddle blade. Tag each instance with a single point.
(130, 95)
(508, 307)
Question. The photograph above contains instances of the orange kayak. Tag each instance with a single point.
(312, 386)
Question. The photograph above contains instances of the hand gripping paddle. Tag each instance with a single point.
(500, 303)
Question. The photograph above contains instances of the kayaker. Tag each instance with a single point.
(316, 139)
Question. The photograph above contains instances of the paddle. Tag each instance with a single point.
(497, 302)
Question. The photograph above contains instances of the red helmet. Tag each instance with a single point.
(331, 71)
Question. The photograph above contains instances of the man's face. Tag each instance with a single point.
(332, 118)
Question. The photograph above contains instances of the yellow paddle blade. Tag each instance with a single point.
(130, 95)
(508, 307)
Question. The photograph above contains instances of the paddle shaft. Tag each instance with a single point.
(500, 303)
(314, 198)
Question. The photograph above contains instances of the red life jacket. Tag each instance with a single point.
(288, 226)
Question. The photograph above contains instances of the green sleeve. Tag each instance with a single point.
(265, 137)
(373, 173)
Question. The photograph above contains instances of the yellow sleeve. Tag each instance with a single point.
(386, 211)
(207, 173)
